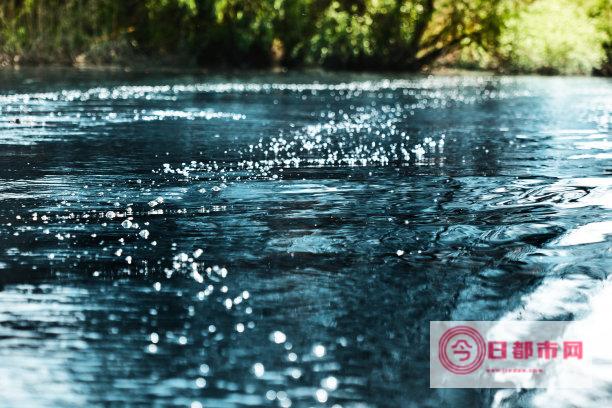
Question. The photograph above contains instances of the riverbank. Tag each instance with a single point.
(155, 68)
(546, 37)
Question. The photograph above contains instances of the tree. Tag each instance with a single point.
(403, 34)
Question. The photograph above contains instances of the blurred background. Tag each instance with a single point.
(509, 36)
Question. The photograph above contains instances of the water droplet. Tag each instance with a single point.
(278, 337)
(321, 395)
(258, 369)
(318, 350)
(330, 383)
(155, 202)
(296, 373)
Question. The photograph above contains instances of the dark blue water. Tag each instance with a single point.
(284, 240)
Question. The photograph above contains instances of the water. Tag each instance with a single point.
(284, 240)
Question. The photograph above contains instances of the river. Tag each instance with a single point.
(285, 239)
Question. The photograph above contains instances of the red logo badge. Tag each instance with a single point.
(461, 350)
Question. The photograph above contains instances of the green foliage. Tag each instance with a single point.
(240, 33)
(522, 35)
(553, 36)
(601, 12)
(400, 34)
(341, 37)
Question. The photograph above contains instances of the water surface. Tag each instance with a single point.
(284, 240)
